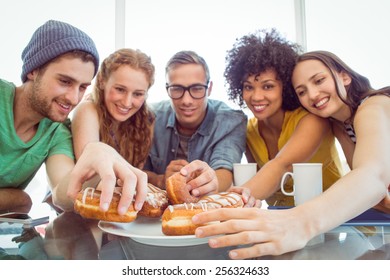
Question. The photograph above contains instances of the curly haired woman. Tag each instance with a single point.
(116, 112)
(360, 117)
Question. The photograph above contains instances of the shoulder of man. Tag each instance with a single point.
(4, 83)
(6, 87)
(160, 107)
(50, 127)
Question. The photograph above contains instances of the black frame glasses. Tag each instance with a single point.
(196, 91)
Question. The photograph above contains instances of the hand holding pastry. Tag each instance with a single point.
(203, 178)
(155, 203)
(174, 166)
(101, 159)
(249, 200)
(265, 232)
(177, 219)
(87, 204)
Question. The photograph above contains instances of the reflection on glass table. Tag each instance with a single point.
(69, 236)
(342, 243)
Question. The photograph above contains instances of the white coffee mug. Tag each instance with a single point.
(242, 172)
(307, 179)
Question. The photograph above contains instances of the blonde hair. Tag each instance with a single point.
(135, 134)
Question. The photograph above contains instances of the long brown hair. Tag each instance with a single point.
(134, 136)
(359, 87)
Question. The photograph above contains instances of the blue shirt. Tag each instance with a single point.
(220, 140)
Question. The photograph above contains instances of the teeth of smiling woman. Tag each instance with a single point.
(259, 107)
(321, 102)
(123, 110)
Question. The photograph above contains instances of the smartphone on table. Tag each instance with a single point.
(23, 218)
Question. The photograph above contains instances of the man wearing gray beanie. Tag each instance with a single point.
(59, 64)
(53, 39)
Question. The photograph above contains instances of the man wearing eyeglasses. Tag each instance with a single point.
(193, 131)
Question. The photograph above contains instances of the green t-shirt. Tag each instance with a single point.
(19, 161)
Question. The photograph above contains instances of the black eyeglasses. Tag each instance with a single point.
(197, 91)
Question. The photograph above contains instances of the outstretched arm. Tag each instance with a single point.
(275, 232)
(58, 168)
(301, 146)
(225, 178)
(85, 126)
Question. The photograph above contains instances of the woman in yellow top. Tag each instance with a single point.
(258, 74)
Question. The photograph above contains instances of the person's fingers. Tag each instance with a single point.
(141, 189)
(133, 181)
(257, 250)
(239, 238)
(223, 214)
(234, 232)
(195, 166)
(90, 163)
(251, 201)
(258, 203)
(103, 160)
(204, 189)
(108, 183)
(244, 192)
(176, 165)
(246, 195)
(205, 182)
(78, 176)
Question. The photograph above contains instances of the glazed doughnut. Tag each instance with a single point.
(223, 200)
(155, 203)
(87, 205)
(177, 219)
(177, 191)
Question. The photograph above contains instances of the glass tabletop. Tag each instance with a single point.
(68, 236)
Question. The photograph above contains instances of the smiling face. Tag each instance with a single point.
(190, 112)
(125, 92)
(59, 87)
(263, 94)
(316, 89)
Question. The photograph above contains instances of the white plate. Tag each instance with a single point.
(148, 231)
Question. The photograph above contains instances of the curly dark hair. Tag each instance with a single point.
(255, 53)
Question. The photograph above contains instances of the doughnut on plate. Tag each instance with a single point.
(148, 231)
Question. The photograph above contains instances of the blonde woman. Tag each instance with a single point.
(116, 112)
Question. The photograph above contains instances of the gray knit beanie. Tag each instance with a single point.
(53, 39)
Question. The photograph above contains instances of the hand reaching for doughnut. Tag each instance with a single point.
(175, 166)
(265, 232)
(249, 200)
(204, 182)
(101, 159)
